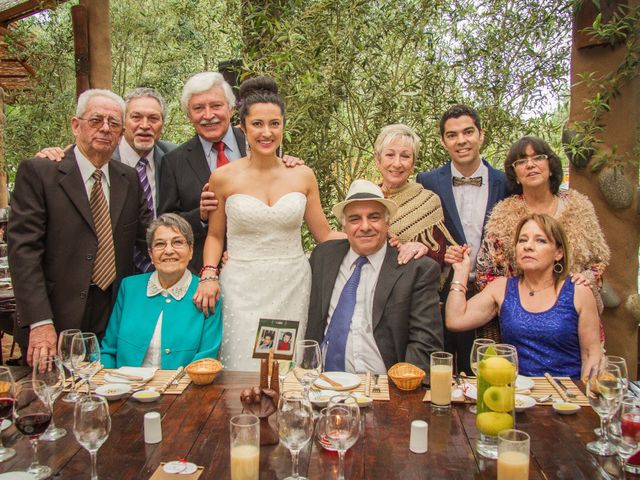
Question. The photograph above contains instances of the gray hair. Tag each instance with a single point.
(83, 100)
(394, 132)
(172, 221)
(143, 92)
(203, 82)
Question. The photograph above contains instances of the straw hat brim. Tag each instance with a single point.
(390, 205)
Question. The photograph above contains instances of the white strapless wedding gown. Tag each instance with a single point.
(267, 274)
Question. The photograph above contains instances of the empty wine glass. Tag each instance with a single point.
(284, 367)
(604, 391)
(50, 371)
(64, 351)
(308, 364)
(295, 426)
(32, 415)
(342, 426)
(473, 360)
(7, 398)
(91, 426)
(85, 356)
(621, 363)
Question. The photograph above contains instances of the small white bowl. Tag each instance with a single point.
(320, 398)
(524, 402)
(566, 408)
(113, 391)
(363, 400)
(146, 396)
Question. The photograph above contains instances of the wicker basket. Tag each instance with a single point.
(406, 376)
(204, 371)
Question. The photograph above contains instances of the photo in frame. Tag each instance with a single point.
(281, 335)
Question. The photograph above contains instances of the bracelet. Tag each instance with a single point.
(204, 268)
(462, 285)
(456, 289)
(209, 279)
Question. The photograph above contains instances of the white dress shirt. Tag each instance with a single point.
(362, 354)
(231, 149)
(471, 203)
(153, 357)
(130, 157)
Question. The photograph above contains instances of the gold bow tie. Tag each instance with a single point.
(475, 181)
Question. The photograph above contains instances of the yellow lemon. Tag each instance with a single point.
(499, 399)
(490, 423)
(497, 370)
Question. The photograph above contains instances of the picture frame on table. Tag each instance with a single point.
(277, 335)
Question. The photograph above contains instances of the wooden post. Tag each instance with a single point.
(80, 47)
(99, 21)
(621, 227)
(4, 193)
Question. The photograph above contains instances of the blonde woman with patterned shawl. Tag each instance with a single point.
(419, 222)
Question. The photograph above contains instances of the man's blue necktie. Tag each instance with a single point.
(335, 340)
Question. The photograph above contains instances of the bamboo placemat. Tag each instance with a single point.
(366, 384)
(541, 387)
(161, 381)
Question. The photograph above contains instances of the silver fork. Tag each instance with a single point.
(376, 388)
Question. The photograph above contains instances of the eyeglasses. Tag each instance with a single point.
(98, 121)
(176, 244)
(536, 159)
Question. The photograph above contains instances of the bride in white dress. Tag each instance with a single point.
(262, 204)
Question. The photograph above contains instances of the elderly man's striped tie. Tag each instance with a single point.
(141, 261)
(104, 268)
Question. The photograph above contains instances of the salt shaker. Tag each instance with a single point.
(419, 440)
(152, 427)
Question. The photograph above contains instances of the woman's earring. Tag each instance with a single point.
(558, 268)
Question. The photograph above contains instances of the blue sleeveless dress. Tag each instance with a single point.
(546, 341)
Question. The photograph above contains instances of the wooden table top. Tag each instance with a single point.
(195, 425)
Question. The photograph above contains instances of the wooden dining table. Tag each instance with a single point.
(195, 426)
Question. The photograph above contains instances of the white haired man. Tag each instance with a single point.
(73, 228)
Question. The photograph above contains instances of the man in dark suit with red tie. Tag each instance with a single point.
(73, 228)
(468, 187)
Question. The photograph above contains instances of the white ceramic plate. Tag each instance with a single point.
(144, 372)
(320, 398)
(113, 391)
(347, 380)
(6, 423)
(523, 402)
(524, 383)
(16, 476)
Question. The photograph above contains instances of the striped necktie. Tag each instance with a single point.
(336, 338)
(140, 260)
(104, 267)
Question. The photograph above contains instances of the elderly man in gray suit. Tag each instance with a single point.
(367, 311)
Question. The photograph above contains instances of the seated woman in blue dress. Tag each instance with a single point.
(552, 322)
(154, 322)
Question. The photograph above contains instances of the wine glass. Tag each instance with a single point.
(604, 391)
(85, 356)
(621, 363)
(628, 442)
(7, 398)
(473, 360)
(50, 371)
(32, 415)
(295, 426)
(91, 426)
(64, 351)
(284, 367)
(342, 426)
(308, 363)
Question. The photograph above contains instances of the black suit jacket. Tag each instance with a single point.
(184, 172)
(52, 240)
(406, 319)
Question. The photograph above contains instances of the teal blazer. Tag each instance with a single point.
(187, 335)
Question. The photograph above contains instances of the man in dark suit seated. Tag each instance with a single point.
(73, 228)
(468, 187)
(367, 311)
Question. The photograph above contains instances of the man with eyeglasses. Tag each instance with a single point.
(468, 187)
(73, 228)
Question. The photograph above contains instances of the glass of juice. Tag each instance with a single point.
(245, 447)
(513, 455)
(441, 376)
(497, 372)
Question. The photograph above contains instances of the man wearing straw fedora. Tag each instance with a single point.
(367, 311)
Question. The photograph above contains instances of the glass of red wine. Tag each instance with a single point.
(32, 415)
(7, 397)
(629, 441)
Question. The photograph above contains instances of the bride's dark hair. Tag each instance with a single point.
(258, 90)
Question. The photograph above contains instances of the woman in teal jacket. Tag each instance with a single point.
(154, 322)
